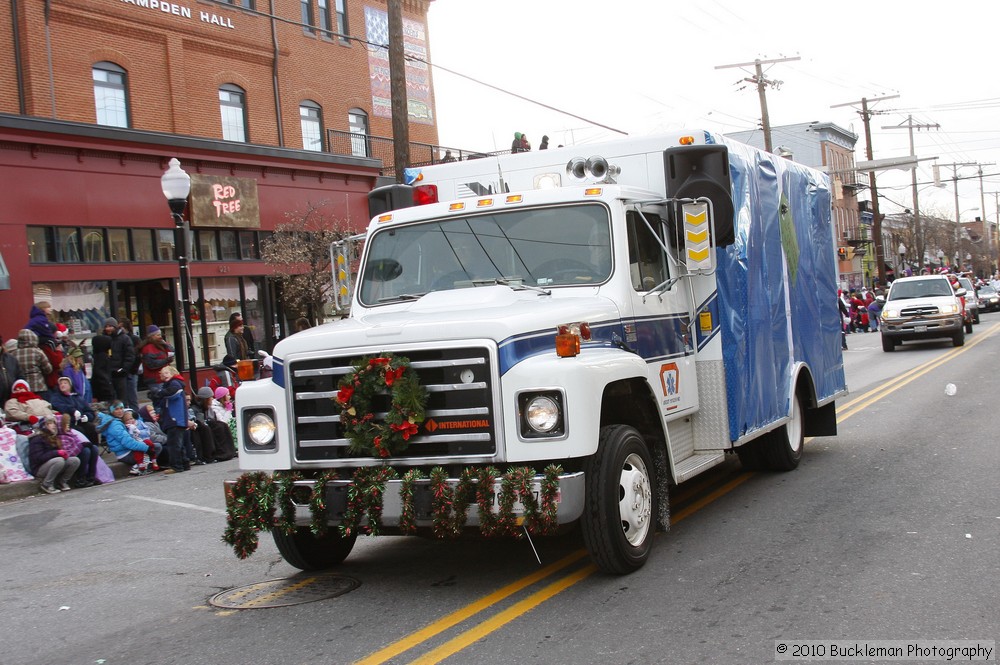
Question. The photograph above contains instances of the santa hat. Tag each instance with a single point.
(20, 386)
(62, 330)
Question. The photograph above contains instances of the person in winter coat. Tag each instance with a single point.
(100, 377)
(73, 369)
(40, 322)
(50, 462)
(516, 145)
(173, 418)
(68, 403)
(236, 344)
(25, 409)
(151, 421)
(222, 440)
(121, 359)
(119, 441)
(10, 371)
(77, 445)
(155, 354)
(34, 364)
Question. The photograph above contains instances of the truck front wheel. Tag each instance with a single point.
(306, 551)
(620, 507)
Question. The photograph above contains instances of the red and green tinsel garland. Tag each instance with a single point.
(371, 377)
(255, 498)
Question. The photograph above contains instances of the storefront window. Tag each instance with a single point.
(93, 245)
(248, 245)
(253, 311)
(82, 306)
(220, 297)
(118, 242)
(41, 244)
(165, 244)
(67, 245)
(142, 242)
(230, 250)
(207, 249)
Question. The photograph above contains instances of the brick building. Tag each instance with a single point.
(281, 99)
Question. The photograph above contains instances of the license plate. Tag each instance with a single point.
(919, 329)
(518, 507)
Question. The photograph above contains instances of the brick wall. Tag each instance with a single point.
(176, 62)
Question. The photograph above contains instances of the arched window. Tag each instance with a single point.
(110, 94)
(232, 104)
(357, 121)
(311, 117)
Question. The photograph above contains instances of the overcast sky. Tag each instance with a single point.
(648, 66)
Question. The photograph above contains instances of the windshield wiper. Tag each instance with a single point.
(402, 296)
(516, 285)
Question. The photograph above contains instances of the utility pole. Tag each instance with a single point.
(761, 83)
(958, 215)
(876, 217)
(986, 224)
(397, 90)
(918, 234)
(994, 265)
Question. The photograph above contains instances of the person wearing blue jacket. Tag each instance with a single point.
(173, 417)
(128, 451)
(81, 415)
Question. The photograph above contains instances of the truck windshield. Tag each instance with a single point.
(546, 247)
(920, 288)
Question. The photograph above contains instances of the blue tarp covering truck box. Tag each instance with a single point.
(777, 286)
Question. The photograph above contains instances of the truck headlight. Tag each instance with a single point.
(541, 414)
(949, 309)
(261, 431)
(890, 314)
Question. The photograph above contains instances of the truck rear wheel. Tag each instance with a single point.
(782, 448)
(968, 327)
(620, 508)
(306, 551)
(959, 338)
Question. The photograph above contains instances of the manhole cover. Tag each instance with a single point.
(284, 592)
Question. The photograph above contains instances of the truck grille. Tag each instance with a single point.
(924, 310)
(460, 419)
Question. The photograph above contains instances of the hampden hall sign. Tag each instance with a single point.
(183, 12)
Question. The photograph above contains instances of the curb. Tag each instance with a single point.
(27, 488)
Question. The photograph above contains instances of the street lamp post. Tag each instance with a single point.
(176, 184)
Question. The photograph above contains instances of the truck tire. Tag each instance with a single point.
(306, 551)
(968, 328)
(959, 338)
(750, 455)
(888, 344)
(782, 448)
(620, 507)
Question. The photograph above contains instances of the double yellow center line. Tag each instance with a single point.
(524, 606)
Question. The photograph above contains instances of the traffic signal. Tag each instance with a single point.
(842, 253)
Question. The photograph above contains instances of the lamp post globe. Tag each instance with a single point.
(176, 186)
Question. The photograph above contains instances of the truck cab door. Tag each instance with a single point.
(658, 327)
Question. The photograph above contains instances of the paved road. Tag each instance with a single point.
(888, 531)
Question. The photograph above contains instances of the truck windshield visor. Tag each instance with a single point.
(550, 247)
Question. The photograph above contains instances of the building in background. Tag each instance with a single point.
(276, 111)
(825, 146)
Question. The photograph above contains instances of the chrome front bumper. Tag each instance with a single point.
(569, 500)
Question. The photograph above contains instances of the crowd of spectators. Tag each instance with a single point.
(57, 417)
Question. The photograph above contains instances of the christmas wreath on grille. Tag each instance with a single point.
(357, 393)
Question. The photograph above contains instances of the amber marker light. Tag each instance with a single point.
(384, 218)
(592, 191)
(455, 207)
(484, 203)
(568, 338)
(514, 198)
(686, 140)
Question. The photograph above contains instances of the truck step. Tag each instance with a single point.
(695, 464)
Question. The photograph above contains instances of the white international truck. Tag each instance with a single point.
(615, 319)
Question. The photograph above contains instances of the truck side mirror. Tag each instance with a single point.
(389, 197)
(702, 171)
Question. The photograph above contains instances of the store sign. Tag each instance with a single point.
(182, 11)
(224, 201)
